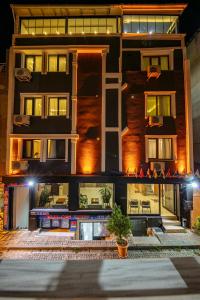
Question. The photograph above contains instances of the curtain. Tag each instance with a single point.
(51, 148)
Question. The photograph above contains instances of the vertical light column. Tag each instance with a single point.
(19, 152)
(74, 91)
(103, 116)
(73, 156)
(188, 116)
(11, 87)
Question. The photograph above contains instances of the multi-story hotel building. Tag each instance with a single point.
(98, 113)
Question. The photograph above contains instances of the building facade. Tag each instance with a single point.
(99, 113)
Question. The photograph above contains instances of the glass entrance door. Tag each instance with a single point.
(168, 200)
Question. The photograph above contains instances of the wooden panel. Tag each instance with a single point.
(112, 108)
(112, 151)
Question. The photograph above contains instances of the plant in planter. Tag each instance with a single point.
(83, 201)
(120, 225)
(197, 225)
(44, 197)
(106, 195)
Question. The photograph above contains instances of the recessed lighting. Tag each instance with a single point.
(83, 32)
(138, 31)
(95, 32)
(125, 31)
(31, 183)
(108, 31)
(57, 32)
(45, 33)
(70, 33)
(33, 33)
(150, 32)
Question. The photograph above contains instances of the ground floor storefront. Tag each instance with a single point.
(81, 205)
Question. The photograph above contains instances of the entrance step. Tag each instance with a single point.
(172, 225)
(174, 229)
(171, 222)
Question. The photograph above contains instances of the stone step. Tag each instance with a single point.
(171, 222)
(174, 229)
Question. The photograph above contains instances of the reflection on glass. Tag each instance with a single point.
(96, 195)
(43, 26)
(51, 195)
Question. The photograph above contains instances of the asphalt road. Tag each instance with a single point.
(166, 278)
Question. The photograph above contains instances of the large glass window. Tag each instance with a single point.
(161, 61)
(92, 25)
(149, 24)
(142, 198)
(96, 196)
(51, 195)
(158, 105)
(43, 26)
(57, 106)
(56, 149)
(151, 199)
(33, 106)
(1, 205)
(57, 63)
(33, 63)
(31, 149)
(160, 148)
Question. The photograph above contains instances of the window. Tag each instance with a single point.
(57, 63)
(31, 149)
(92, 25)
(33, 63)
(43, 26)
(57, 106)
(33, 106)
(56, 149)
(96, 195)
(160, 148)
(162, 61)
(149, 24)
(158, 105)
(52, 195)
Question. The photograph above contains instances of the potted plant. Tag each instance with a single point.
(106, 195)
(83, 201)
(44, 197)
(120, 225)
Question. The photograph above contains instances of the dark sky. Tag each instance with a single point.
(189, 22)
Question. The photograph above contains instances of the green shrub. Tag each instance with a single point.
(120, 225)
(197, 224)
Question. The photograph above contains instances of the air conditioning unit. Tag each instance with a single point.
(153, 72)
(158, 166)
(155, 120)
(21, 120)
(23, 74)
(20, 165)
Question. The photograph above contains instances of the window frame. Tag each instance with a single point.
(56, 158)
(151, 52)
(32, 148)
(159, 60)
(34, 62)
(157, 137)
(157, 101)
(58, 97)
(58, 57)
(172, 95)
(157, 149)
(33, 99)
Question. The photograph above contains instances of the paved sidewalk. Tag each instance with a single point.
(24, 239)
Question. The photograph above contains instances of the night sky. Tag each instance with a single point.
(189, 22)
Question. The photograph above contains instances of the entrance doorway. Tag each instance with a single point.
(89, 231)
(20, 207)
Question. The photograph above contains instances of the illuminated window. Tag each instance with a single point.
(92, 25)
(43, 26)
(160, 148)
(33, 63)
(33, 106)
(162, 61)
(57, 63)
(56, 149)
(31, 149)
(149, 24)
(96, 195)
(158, 105)
(57, 106)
